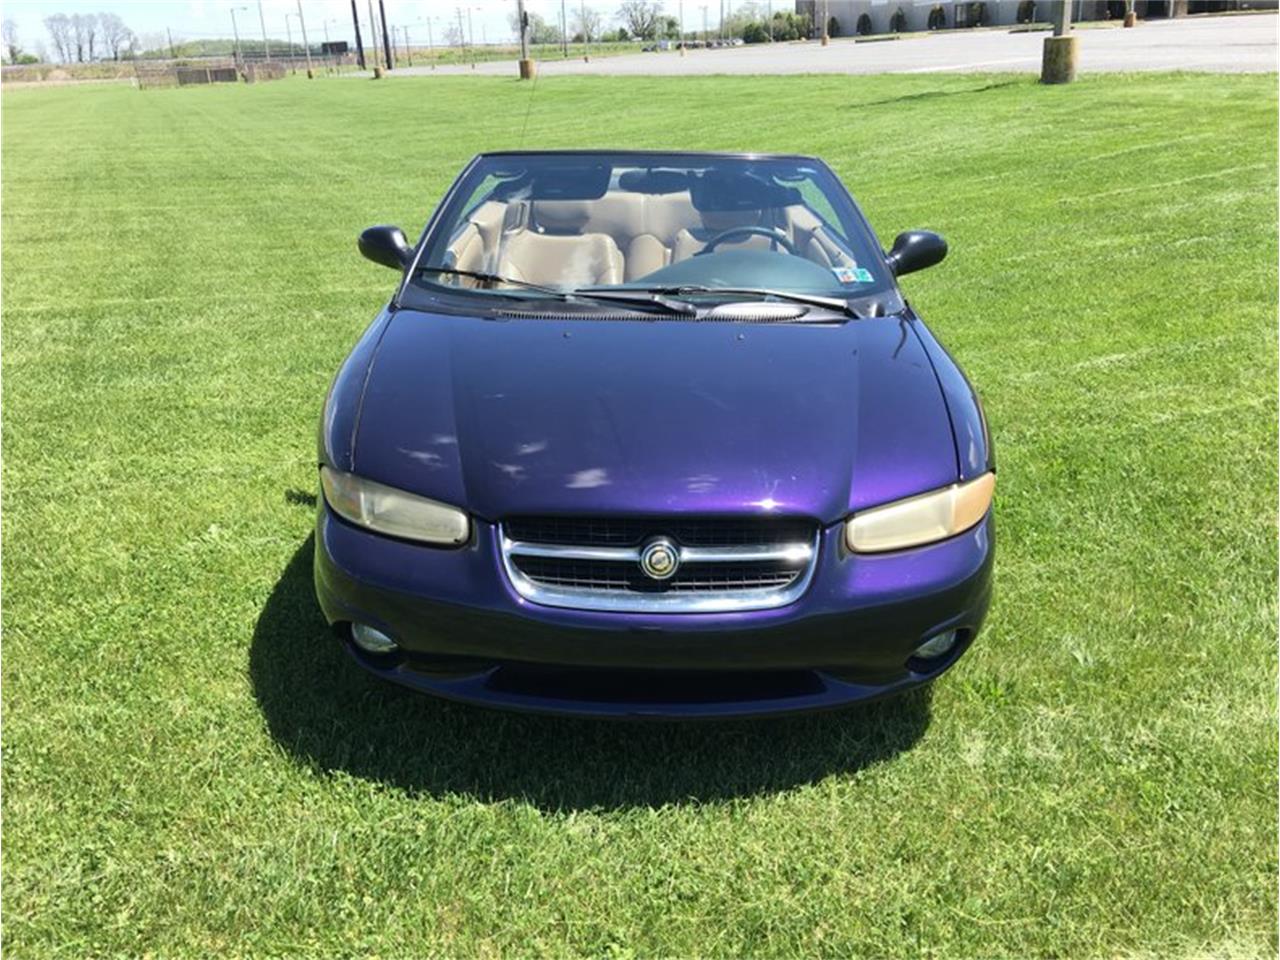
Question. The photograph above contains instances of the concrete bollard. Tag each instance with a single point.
(1059, 64)
(528, 69)
(1130, 19)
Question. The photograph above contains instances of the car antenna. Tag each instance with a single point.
(533, 88)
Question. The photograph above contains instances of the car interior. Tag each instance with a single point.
(626, 234)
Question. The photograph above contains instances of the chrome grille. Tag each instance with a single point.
(724, 563)
(631, 531)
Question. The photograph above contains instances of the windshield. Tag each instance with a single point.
(541, 224)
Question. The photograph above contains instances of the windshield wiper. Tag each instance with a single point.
(831, 303)
(637, 298)
(644, 298)
(495, 278)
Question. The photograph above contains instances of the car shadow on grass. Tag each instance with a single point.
(324, 710)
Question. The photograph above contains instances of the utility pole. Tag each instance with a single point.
(706, 34)
(408, 50)
(306, 47)
(1059, 62)
(826, 23)
(682, 28)
(172, 53)
(564, 32)
(721, 21)
(769, 21)
(386, 41)
(462, 37)
(431, 45)
(586, 35)
(355, 19)
(528, 69)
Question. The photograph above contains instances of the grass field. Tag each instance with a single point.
(191, 766)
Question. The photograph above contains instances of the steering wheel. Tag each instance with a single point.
(777, 236)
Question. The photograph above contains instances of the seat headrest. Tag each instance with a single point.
(561, 216)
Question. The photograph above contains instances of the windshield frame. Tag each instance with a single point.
(449, 209)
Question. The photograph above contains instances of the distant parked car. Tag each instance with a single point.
(652, 434)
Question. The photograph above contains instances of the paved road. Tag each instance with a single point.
(1216, 44)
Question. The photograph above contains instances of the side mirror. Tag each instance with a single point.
(915, 250)
(387, 246)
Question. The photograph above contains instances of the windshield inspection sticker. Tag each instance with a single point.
(852, 274)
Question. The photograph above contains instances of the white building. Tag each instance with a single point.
(894, 16)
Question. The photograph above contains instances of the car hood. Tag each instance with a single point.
(651, 417)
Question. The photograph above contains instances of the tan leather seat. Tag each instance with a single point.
(554, 249)
(472, 248)
(664, 215)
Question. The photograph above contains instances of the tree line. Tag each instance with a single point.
(86, 37)
(76, 38)
(645, 20)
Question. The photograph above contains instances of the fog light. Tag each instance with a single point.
(936, 646)
(372, 641)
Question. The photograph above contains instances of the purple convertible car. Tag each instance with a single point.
(653, 434)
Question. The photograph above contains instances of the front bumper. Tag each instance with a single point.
(466, 635)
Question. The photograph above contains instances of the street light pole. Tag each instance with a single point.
(1060, 51)
(235, 32)
(306, 47)
(266, 44)
(528, 68)
(373, 41)
(327, 49)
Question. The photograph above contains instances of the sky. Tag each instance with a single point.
(200, 19)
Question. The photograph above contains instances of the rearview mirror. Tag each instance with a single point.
(914, 250)
(387, 246)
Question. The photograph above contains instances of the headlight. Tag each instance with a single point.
(391, 511)
(923, 519)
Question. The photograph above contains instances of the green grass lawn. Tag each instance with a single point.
(191, 766)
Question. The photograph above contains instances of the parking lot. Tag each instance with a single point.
(1217, 44)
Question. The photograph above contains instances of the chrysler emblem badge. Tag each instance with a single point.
(659, 559)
